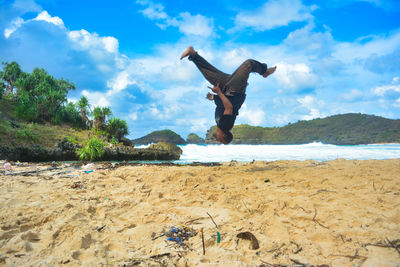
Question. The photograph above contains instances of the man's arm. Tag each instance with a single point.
(225, 101)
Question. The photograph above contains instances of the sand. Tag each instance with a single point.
(339, 213)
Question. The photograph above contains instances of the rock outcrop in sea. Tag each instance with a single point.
(194, 139)
(160, 136)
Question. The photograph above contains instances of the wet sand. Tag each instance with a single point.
(339, 213)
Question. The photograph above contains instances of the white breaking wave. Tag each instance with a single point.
(313, 151)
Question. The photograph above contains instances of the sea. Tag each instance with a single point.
(314, 151)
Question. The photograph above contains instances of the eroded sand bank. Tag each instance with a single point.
(338, 213)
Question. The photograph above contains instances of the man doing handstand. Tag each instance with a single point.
(230, 90)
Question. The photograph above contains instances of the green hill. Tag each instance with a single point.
(160, 136)
(344, 129)
(194, 139)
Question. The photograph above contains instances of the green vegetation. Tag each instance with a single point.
(117, 128)
(94, 149)
(194, 139)
(346, 129)
(41, 99)
(26, 135)
(100, 114)
(160, 136)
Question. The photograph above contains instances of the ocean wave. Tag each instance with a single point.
(312, 151)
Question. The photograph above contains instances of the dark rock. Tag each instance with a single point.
(13, 124)
(127, 142)
(170, 148)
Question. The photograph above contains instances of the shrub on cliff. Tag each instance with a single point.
(93, 150)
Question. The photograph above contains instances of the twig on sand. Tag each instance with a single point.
(246, 207)
(322, 190)
(212, 220)
(390, 244)
(353, 257)
(160, 255)
(155, 237)
(193, 220)
(315, 220)
(275, 249)
(306, 211)
(100, 228)
(202, 240)
(393, 246)
(270, 264)
(315, 213)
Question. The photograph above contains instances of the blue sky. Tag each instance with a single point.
(333, 56)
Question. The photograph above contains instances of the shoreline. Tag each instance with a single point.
(339, 212)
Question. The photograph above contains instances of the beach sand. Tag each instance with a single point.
(339, 213)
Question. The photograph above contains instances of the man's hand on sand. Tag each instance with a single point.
(269, 72)
(215, 89)
(210, 96)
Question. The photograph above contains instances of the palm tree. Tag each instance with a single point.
(100, 115)
(83, 105)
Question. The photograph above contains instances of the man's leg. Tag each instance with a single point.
(212, 74)
(238, 80)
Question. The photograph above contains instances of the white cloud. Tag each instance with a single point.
(296, 77)
(89, 41)
(275, 13)
(15, 24)
(313, 105)
(385, 89)
(119, 83)
(234, 57)
(353, 95)
(96, 98)
(44, 16)
(252, 116)
(382, 90)
(364, 47)
(199, 125)
(153, 11)
(195, 25)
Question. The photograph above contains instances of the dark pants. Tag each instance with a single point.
(229, 84)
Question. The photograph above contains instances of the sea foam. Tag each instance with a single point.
(313, 151)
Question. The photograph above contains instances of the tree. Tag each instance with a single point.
(83, 105)
(72, 115)
(100, 114)
(117, 128)
(41, 97)
(10, 74)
